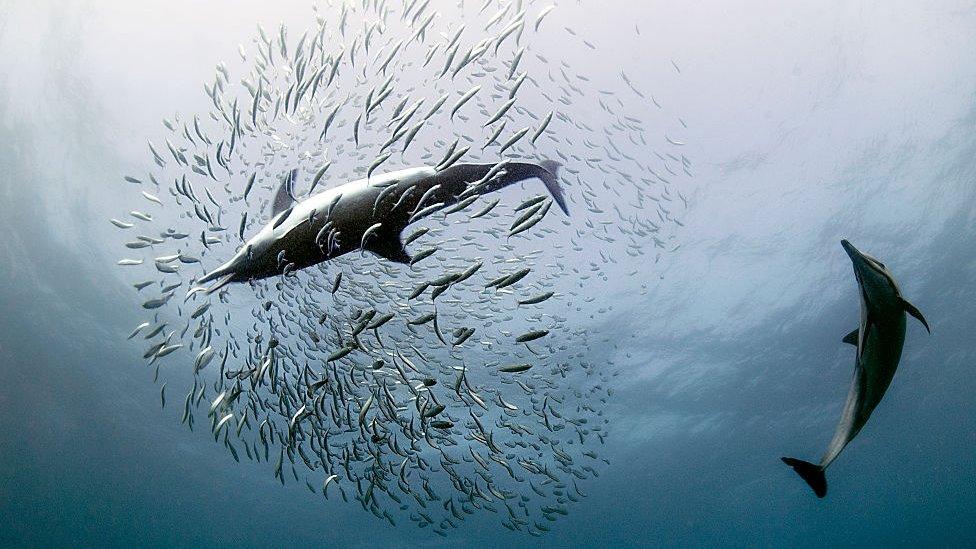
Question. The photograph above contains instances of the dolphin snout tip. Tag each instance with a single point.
(849, 248)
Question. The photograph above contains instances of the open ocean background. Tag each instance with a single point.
(809, 122)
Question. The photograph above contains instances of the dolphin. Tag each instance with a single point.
(367, 214)
(879, 340)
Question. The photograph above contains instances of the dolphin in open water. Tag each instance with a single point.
(367, 214)
(879, 340)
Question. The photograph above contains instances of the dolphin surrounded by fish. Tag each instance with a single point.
(879, 340)
(513, 436)
(367, 214)
(477, 395)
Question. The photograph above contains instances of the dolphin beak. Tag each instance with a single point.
(858, 260)
(216, 273)
(224, 275)
(852, 252)
(225, 269)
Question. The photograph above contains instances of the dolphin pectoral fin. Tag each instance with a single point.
(388, 246)
(812, 474)
(851, 337)
(913, 310)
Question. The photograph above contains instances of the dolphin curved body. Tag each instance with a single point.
(367, 214)
(879, 340)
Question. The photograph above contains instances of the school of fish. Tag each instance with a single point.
(465, 377)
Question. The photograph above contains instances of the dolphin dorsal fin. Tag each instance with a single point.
(913, 310)
(286, 193)
(851, 337)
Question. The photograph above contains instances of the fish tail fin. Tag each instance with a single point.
(811, 473)
(551, 179)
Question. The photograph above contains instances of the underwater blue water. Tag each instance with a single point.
(808, 123)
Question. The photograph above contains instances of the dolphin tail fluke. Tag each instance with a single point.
(551, 179)
(811, 473)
